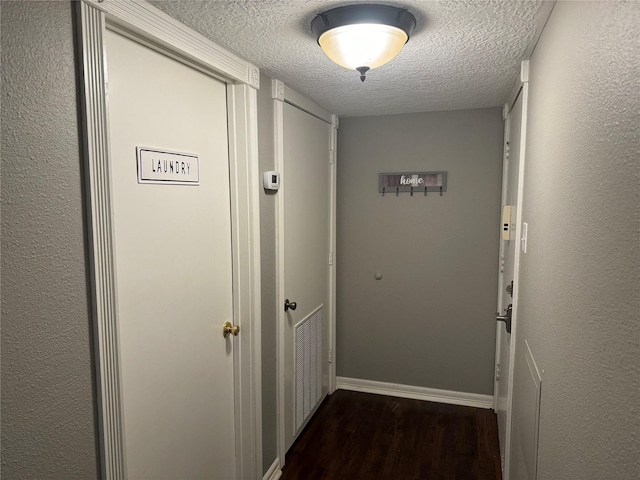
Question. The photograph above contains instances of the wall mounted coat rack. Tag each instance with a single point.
(413, 183)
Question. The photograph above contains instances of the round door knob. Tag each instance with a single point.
(229, 329)
(289, 305)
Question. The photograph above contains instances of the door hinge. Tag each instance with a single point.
(497, 372)
(332, 156)
(330, 355)
(330, 258)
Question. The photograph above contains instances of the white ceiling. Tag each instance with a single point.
(463, 53)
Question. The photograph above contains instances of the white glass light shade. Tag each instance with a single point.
(363, 44)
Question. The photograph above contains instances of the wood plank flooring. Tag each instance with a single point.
(361, 436)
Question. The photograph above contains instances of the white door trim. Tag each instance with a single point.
(335, 124)
(506, 116)
(524, 84)
(282, 94)
(153, 28)
(303, 103)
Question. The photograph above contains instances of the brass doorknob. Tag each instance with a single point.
(229, 329)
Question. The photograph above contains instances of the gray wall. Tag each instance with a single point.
(430, 320)
(48, 420)
(268, 272)
(580, 278)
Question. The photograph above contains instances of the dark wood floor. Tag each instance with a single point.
(363, 436)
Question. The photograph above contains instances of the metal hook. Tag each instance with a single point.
(425, 191)
(383, 189)
(440, 190)
(412, 191)
(397, 191)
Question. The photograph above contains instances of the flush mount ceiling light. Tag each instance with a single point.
(362, 37)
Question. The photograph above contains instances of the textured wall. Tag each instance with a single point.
(430, 321)
(268, 270)
(580, 277)
(48, 421)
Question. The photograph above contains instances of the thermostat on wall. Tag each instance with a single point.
(271, 180)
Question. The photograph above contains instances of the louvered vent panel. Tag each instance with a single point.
(307, 338)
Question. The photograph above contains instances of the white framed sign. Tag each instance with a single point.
(163, 166)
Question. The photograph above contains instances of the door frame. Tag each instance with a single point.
(149, 26)
(506, 117)
(521, 88)
(282, 94)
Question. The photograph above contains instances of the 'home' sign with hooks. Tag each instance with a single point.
(413, 182)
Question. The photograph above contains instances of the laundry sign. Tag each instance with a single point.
(413, 182)
(162, 166)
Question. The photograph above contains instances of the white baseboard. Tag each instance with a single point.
(418, 393)
(274, 472)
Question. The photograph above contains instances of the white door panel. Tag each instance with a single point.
(306, 189)
(173, 266)
(509, 252)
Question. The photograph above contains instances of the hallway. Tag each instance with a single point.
(364, 436)
(416, 276)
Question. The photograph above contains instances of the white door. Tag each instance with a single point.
(508, 254)
(306, 189)
(173, 267)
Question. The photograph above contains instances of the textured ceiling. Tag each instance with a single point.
(463, 53)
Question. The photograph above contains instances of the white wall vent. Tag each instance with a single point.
(307, 338)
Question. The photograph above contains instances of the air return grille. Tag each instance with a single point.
(307, 338)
